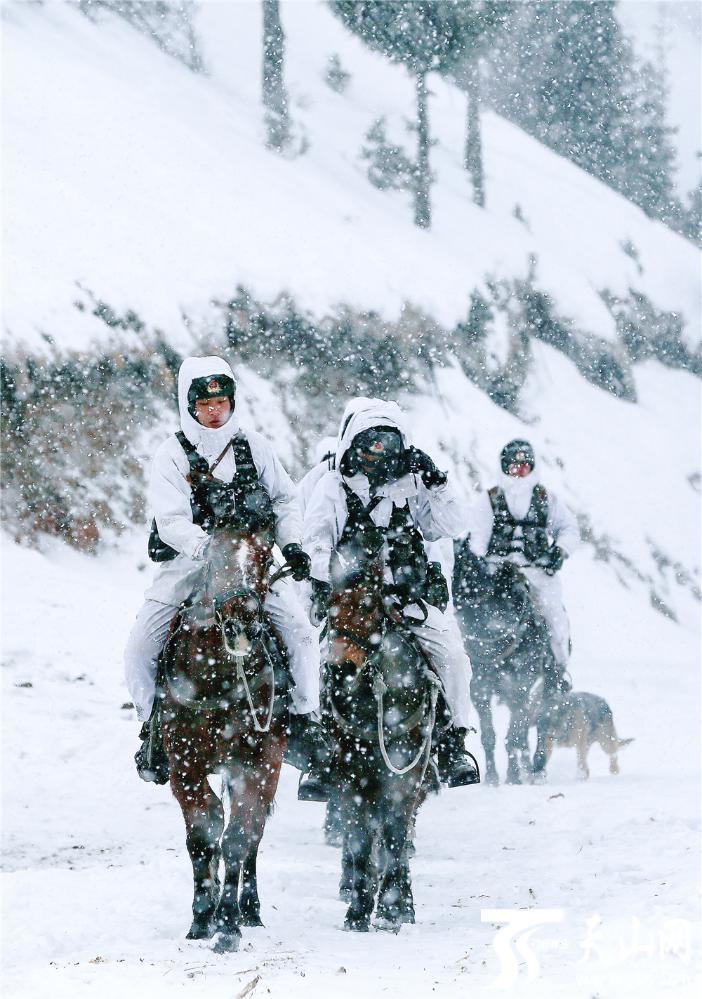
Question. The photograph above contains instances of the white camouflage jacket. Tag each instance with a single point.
(561, 523)
(436, 512)
(169, 490)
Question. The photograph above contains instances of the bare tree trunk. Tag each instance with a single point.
(275, 98)
(473, 158)
(422, 203)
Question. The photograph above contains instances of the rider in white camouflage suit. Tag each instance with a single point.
(520, 521)
(388, 474)
(206, 399)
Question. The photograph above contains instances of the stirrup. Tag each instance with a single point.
(150, 759)
(312, 787)
(471, 775)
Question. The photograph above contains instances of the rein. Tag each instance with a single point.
(239, 656)
(427, 709)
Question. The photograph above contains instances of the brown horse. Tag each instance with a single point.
(380, 709)
(224, 709)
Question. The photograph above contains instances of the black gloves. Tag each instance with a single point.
(298, 561)
(321, 596)
(552, 560)
(422, 464)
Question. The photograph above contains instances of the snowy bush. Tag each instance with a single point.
(647, 331)
(335, 75)
(169, 24)
(72, 433)
(389, 166)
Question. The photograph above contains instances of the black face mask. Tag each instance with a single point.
(378, 453)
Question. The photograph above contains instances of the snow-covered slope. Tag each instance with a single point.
(151, 186)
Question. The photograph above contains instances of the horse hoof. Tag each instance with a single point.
(387, 924)
(491, 778)
(250, 919)
(345, 895)
(408, 917)
(357, 924)
(538, 777)
(200, 930)
(227, 943)
(513, 777)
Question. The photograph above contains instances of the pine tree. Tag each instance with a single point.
(476, 26)
(423, 37)
(275, 98)
(566, 73)
(646, 171)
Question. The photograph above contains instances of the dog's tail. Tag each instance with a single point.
(623, 742)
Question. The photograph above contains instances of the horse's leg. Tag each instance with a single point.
(395, 903)
(514, 775)
(519, 730)
(359, 839)
(251, 790)
(333, 833)
(249, 904)
(204, 821)
(544, 748)
(346, 880)
(481, 696)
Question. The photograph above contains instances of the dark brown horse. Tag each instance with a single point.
(380, 709)
(224, 705)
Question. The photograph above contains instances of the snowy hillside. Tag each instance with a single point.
(130, 179)
(150, 186)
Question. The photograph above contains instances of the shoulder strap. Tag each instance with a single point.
(540, 501)
(198, 465)
(498, 501)
(354, 504)
(246, 472)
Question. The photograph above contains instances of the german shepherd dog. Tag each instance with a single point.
(574, 719)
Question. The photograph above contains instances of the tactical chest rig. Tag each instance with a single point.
(414, 577)
(248, 505)
(528, 536)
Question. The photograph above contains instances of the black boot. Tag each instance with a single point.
(457, 767)
(313, 756)
(151, 760)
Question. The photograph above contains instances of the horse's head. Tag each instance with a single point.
(472, 580)
(236, 584)
(356, 606)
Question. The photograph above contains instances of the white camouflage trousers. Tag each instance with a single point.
(547, 595)
(441, 640)
(150, 629)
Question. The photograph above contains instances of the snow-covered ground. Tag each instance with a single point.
(96, 898)
(97, 894)
(150, 186)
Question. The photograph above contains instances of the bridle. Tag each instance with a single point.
(256, 637)
(425, 711)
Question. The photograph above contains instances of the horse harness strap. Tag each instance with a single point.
(510, 534)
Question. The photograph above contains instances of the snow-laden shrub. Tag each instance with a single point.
(335, 76)
(389, 166)
(73, 426)
(169, 24)
(647, 331)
